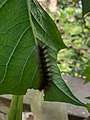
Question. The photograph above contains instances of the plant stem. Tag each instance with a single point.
(15, 112)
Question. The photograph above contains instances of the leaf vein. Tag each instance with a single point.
(13, 26)
(7, 64)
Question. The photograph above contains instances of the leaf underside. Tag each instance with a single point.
(22, 24)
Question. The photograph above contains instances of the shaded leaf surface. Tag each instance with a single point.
(23, 24)
(85, 6)
(88, 107)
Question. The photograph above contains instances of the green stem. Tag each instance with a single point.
(15, 112)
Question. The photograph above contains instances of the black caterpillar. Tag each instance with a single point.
(45, 67)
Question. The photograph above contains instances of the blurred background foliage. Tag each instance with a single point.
(75, 31)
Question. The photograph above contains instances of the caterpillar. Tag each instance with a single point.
(45, 67)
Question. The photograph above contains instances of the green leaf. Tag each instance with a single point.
(18, 56)
(85, 6)
(60, 92)
(46, 31)
(18, 63)
(88, 107)
(23, 24)
(15, 112)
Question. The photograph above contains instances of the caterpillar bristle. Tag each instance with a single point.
(45, 67)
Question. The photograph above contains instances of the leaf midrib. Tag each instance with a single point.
(30, 20)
